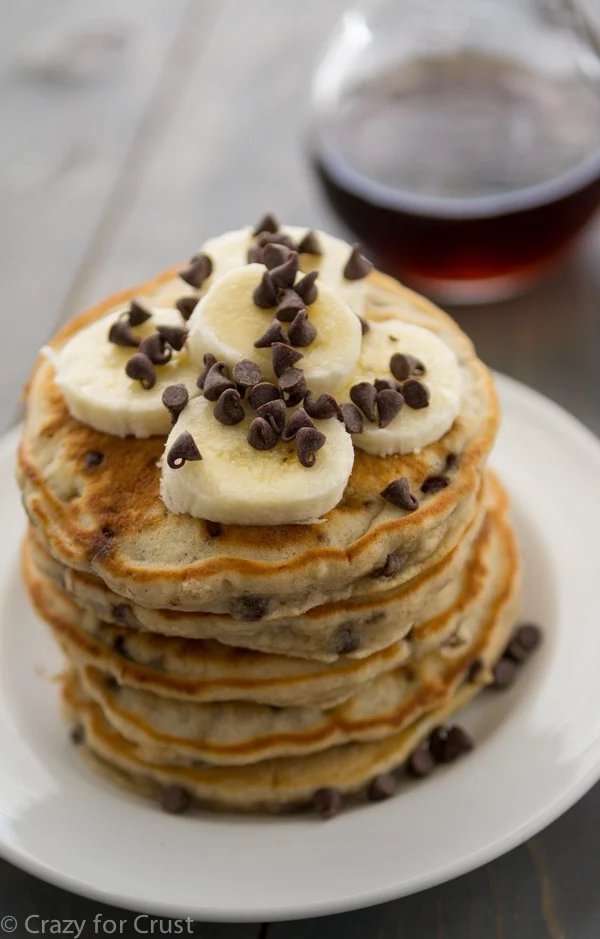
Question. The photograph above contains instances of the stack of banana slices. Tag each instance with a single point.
(262, 530)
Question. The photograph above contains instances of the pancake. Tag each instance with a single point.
(109, 520)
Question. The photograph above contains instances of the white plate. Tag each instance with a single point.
(538, 744)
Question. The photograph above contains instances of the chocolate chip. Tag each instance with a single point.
(261, 434)
(402, 366)
(267, 223)
(186, 306)
(77, 735)
(176, 336)
(504, 672)
(448, 743)
(398, 493)
(284, 274)
(217, 381)
(120, 334)
(175, 799)
(392, 566)
(140, 368)
(415, 394)
(138, 313)
(197, 271)
(421, 762)
(302, 332)
(273, 255)
(289, 304)
(156, 348)
(120, 647)
(386, 384)
(298, 420)
(265, 295)
(175, 398)
(182, 451)
(261, 393)
(209, 360)
(248, 607)
(352, 418)
(382, 787)
(111, 682)
(213, 529)
(364, 326)
(246, 374)
(474, 669)
(274, 238)
(93, 458)
(254, 254)
(292, 385)
(283, 356)
(309, 244)
(357, 266)
(307, 289)
(434, 484)
(451, 461)
(323, 407)
(229, 409)
(389, 404)
(364, 396)
(273, 333)
(327, 802)
(273, 412)
(515, 651)
(121, 613)
(345, 640)
(529, 636)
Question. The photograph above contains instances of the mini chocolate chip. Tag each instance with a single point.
(504, 672)
(186, 306)
(420, 762)
(267, 223)
(398, 493)
(273, 412)
(184, 449)
(327, 802)
(175, 799)
(309, 244)
(416, 394)
(77, 735)
(248, 607)
(111, 682)
(289, 304)
(273, 333)
(323, 407)
(392, 566)
(357, 266)
(197, 271)
(274, 238)
(265, 295)
(93, 458)
(156, 348)
(474, 669)
(209, 360)
(364, 326)
(307, 289)
(382, 787)
(448, 743)
(261, 434)
(529, 636)
(229, 409)
(384, 384)
(217, 381)
(345, 640)
(515, 651)
(138, 313)
(120, 647)
(175, 398)
(107, 531)
(261, 393)
(120, 334)
(176, 336)
(402, 366)
(292, 385)
(284, 274)
(298, 419)
(364, 396)
(451, 461)
(140, 368)
(389, 404)
(301, 332)
(352, 418)
(213, 529)
(120, 612)
(246, 374)
(434, 484)
(283, 356)
(273, 255)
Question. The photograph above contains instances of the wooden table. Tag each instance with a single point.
(130, 133)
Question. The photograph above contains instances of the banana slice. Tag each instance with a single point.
(282, 491)
(411, 429)
(90, 371)
(227, 323)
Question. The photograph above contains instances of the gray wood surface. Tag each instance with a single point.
(132, 131)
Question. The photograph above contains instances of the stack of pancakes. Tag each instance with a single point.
(252, 667)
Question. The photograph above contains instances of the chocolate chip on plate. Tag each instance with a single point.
(528, 636)
(327, 802)
(420, 762)
(175, 799)
(398, 493)
(382, 787)
(504, 672)
(183, 450)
